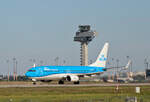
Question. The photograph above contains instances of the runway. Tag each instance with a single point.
(72, 85)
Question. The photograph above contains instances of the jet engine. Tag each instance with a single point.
(72, 78)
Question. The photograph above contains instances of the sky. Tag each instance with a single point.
(44, 29)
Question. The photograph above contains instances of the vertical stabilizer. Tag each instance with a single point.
(102, 57)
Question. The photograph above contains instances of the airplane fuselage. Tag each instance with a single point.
(69, 73)
(58, 72)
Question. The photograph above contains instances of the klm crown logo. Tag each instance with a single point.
(102, 58)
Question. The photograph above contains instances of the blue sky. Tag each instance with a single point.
(44, 29)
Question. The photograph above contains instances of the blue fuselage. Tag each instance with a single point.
(42, 71)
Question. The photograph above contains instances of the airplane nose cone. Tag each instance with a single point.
(27, 74)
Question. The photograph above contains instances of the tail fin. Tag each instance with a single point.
(101, 59)
(128, 64)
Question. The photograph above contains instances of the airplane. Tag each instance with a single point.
(69, 73)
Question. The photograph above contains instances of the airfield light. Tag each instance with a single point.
(14, 69)
(7, 61)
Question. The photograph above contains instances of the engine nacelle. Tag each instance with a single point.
(72, 78)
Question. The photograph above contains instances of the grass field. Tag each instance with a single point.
(72, 94)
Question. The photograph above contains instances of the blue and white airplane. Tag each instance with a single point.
(69, 73)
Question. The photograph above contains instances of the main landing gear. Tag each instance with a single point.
(77, 82)
(61, 82)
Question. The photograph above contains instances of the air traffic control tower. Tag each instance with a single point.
(84, 35)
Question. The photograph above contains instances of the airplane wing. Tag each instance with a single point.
(73, 77)
(90, 74)
(124, 67)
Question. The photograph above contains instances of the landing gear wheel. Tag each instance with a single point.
(77, 82)
(34, 83)
(61, 82)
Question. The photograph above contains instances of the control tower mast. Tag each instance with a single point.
(84, 35)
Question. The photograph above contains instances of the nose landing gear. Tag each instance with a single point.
(77, 82)
(34, 81)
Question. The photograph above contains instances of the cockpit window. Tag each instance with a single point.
(31, 70)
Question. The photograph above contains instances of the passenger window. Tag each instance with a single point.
(31, 70)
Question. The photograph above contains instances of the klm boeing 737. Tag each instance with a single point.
(69, 73)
